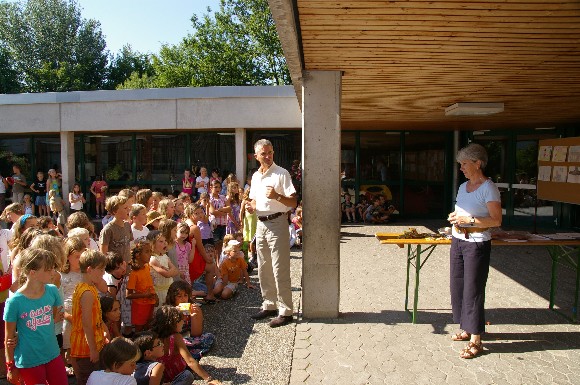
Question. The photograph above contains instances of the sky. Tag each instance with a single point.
(144, 24)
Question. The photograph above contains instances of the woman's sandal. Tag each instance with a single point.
(472, 350)
(463, 336)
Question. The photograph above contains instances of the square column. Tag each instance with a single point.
(241, 158)
(67, 163)
(321, 92)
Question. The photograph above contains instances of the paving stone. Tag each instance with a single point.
(300, 364)
(301, 344)
(298, 375)
(301, 353)
(373, 341)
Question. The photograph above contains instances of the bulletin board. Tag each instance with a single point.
(559, 170)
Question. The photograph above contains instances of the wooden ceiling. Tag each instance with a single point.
(404, 62)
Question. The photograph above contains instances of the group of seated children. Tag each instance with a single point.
(122, 311)
(375, 210)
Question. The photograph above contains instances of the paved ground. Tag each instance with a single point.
(373, 341)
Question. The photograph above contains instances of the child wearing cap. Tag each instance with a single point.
(232, 269)
(153, 219)
(223, 254)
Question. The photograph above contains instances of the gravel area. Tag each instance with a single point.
(248, 351)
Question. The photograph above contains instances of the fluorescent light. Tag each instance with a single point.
(473, 109)
(546, 128)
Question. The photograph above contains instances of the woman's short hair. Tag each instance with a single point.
(473, 152)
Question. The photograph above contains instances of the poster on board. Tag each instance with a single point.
(559, 170)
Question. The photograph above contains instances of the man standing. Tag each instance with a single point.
(272, 196)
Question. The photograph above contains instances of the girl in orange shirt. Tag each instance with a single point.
(140, 287)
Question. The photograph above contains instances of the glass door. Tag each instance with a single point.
(498, 168)
(513, 166)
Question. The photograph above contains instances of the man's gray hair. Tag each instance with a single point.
(262, 143)
(473, 152)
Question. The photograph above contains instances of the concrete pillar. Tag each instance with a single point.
(241, 158)
(321, 92)
(67, 162)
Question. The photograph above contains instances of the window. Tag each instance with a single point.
(109, 156)
(380, 154)
(15, 150)
(161, 157)
(47, 153)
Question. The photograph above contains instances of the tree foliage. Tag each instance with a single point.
(53, 48)
(129, 64)
(8, 75)
(236, 46)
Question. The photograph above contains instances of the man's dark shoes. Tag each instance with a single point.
(265, 314)
(281, 320)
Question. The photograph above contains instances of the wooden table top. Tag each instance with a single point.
(392, 239)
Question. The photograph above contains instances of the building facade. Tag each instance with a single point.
(149, 137)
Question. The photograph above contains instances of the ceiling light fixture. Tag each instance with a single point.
(473, 109)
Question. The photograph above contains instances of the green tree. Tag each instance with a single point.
(53, 48)
(129, 64)
(8, 75)
(236, 46)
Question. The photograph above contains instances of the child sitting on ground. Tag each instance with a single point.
(362, 206)
(224, 255)
(198, 343)
(119, 359)
(168, 323)
(375, 213)
(232, 269)
(347, 208)
(149, 371)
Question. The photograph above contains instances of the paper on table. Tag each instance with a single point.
(570, 235)
(537, 237)
(558, 237)
(514, 240)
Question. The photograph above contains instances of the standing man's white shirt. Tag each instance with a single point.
(276, 177)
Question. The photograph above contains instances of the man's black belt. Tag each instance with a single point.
(270, 217)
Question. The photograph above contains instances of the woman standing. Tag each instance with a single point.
(477, 209)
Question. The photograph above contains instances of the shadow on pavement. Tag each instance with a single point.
(441, 318)
(531, 342)
(228, 373)
(347, 235)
